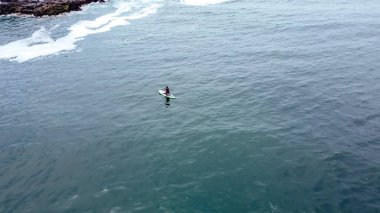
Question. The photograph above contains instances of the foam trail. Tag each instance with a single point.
(41, 44)
(202, 2)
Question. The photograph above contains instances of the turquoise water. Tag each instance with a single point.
(277, 109)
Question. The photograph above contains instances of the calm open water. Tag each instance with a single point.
(277, 109)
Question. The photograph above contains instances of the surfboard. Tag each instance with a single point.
(162, 92)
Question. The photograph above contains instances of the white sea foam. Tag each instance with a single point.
(41, 44)
(74, 197)
(202, 2)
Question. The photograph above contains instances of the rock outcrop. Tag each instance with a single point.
(41, 7)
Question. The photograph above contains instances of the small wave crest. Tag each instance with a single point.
(41, 44)
(202, 2)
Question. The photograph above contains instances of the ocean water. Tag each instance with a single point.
(277, 109)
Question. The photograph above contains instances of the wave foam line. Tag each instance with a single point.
(202, 2)
(41, 44)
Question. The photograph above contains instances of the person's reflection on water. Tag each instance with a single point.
(167, 102)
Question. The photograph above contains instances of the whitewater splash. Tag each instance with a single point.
(202, 2)
(41, 44)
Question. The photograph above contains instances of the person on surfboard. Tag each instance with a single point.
(167, 91)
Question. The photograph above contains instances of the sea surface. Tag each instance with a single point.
(277, 108)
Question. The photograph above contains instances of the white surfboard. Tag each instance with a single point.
(162, 92)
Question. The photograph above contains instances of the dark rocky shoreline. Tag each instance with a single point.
(41, 7)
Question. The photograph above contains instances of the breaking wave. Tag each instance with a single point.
(202, 2)
(41, 44)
